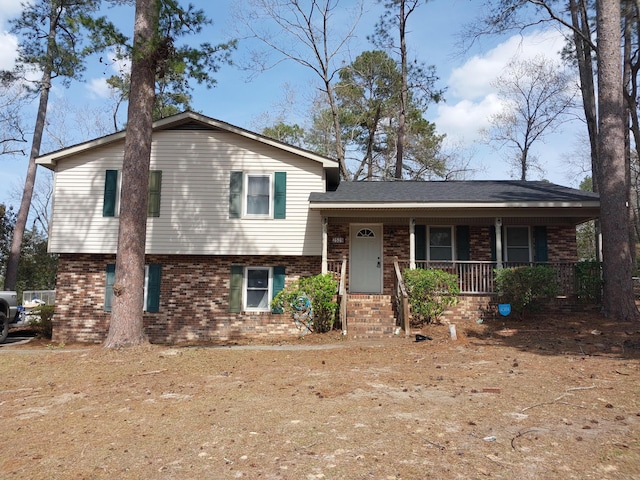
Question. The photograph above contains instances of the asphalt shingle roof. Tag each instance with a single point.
(480, 191)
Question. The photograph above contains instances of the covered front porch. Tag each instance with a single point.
(472, 251)
(372, 231)
(369, 258)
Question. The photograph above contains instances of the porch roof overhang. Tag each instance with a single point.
(468, 199)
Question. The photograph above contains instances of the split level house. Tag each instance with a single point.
(234, 216)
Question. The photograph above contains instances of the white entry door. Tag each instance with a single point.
(365, 267)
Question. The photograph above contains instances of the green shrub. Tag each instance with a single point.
(589, 281)
(431, 292)
(42, 320)
(526, 287)
(321, 290)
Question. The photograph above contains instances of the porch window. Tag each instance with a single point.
(440, 243)
(518, 245)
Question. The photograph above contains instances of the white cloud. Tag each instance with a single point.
(8, 51)
(10, 8)
(472, 98)
(8, 42)
(99, 87)
(462, 121)
(473, 79)
(119, 65)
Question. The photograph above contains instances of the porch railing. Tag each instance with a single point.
(342, 294)
(479, 277)
(401, 299)
(338, 268)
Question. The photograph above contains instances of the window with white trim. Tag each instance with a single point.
(258, 195)
(440, 243)
(518, 244)
(258, 284)
(113, 191)
(152, 273)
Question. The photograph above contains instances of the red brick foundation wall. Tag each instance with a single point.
(474, 307)
(194, 299)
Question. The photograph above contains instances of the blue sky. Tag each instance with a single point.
(250, 103)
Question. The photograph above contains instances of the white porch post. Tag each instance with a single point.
(412, 243)
(499, 242)
(325, 245)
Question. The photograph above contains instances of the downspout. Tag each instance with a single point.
(325, 248)
(499, 243)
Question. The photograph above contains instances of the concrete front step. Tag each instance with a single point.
(370, 316)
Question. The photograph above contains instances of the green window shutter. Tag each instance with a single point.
(235, 289)
(278, 284)
(155, 187)
(110, 193)
(108, 290)
(280, 195)
(421, 242)
(463, 243)
(540, 238)
(153, 288)
(235, 195)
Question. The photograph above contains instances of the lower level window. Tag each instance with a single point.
(151, 287)
(258, 285)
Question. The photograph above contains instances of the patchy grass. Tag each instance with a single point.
(545, 398)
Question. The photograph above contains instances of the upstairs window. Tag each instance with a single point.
(113, 187)
(258, 195)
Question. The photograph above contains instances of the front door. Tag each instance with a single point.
(365, 267)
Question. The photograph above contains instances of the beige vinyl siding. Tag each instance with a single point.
(194, 206)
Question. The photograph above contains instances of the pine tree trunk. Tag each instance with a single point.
(618, 297)
(11, 276)
(126, 326)
(402, 120)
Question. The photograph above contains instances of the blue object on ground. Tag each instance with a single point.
(504, 309)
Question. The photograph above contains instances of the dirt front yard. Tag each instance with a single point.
(547, 398)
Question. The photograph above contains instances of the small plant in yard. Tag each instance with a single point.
(526, 287)
(320, 290)
(41, 321)
(431, 292)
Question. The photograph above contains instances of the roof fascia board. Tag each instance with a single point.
(447, 205)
